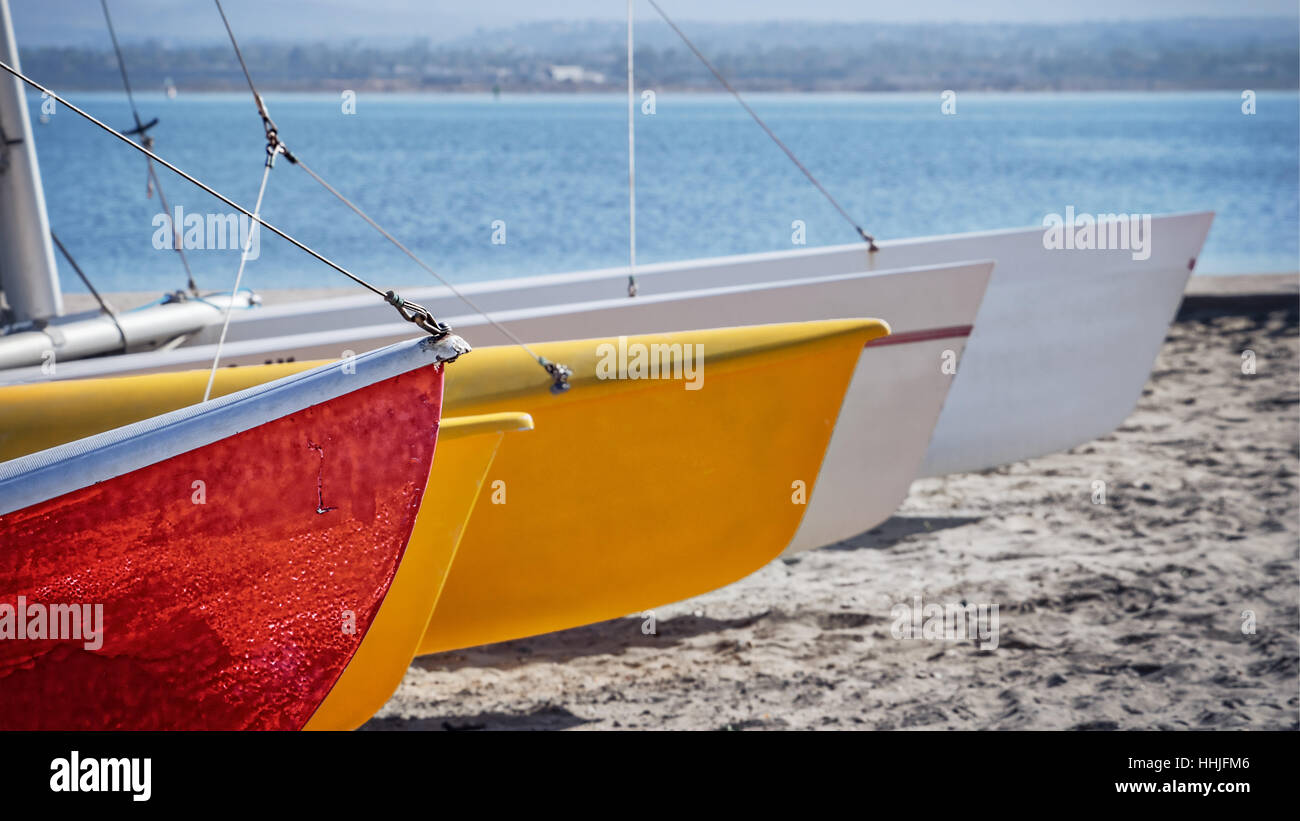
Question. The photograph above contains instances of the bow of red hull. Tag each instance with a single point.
(231, 584)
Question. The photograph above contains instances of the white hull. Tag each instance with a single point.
(1063, 341)
(889, 409)
(880, 440)
(894, 398)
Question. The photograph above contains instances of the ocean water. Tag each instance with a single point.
(439, 171)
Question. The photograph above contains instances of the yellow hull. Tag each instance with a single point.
(466, 448)
(634, 494)
(631, 494)
(45, 414)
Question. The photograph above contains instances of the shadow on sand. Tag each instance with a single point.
(897, 528)
(603, 638)
(548, 717)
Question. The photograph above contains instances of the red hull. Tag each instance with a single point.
(231, 614)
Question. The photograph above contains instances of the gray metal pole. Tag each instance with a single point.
(28, 275)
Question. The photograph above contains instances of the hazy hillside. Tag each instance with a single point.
(1182, 54)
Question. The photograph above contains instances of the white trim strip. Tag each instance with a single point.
(276, 346)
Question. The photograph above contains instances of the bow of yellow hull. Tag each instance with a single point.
(635, 493)
(466, 448)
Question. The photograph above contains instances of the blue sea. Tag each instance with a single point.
(438, 171)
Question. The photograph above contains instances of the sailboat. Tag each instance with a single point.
(35, 327)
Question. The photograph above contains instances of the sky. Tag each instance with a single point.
(80, 22)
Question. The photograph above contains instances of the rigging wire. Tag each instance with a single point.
(85, 280)
(142, 129)
(273, 143)
(410, 311)
(239, 275)
(273, 148)
(558, 372)
(238, 54)
(631, 161)
(871, 242)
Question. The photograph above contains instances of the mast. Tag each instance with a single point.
(28, 275)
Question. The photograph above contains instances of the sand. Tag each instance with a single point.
(1126, 614)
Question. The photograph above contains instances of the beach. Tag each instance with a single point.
(1144, 580)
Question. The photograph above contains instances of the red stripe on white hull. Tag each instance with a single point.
(924, 335)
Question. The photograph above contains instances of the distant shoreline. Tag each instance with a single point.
(1230, 54)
